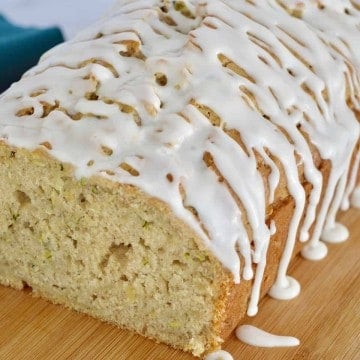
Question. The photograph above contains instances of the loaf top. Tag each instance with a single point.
(184, 99)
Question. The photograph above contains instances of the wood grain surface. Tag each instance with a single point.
(325, 317)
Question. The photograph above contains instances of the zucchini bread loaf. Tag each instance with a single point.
(160, 170)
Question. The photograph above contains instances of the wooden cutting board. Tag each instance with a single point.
(325, 317)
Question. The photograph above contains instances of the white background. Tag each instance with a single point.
(70, 15)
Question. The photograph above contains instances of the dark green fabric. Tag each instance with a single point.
(21, 48)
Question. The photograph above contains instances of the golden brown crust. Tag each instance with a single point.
(239, 294)
(230, 300)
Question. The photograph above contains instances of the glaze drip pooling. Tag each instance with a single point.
(185, 99)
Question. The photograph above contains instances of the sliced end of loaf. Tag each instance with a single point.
(107, 250)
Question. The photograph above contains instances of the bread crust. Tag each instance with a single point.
(231, 301)
(239, 294)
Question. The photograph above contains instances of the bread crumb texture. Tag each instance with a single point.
(106, 250)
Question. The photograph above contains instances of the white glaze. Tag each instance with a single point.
(316, 251)
(219, 355)
(170, 135)
(335, 234)
(332, 231)
(254, 336)
(355, 198)
(287, 290)
(350, 188)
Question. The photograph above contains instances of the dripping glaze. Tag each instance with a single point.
(150, 108)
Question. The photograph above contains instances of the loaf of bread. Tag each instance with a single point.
(160, 170)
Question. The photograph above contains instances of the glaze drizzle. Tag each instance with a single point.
(214, 107)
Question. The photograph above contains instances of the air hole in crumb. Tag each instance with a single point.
(124, 278)
(94, 297)
(177, 262)
(118, 251)
(27, 225)
(82, 199)
(22, 198)
(161, 79)
(12, 154)
(144, 329)
(26, 287)
(80, 263)
(141, 240)
(75, 243)
(170, 177)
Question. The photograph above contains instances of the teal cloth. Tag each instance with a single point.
(21, 48)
